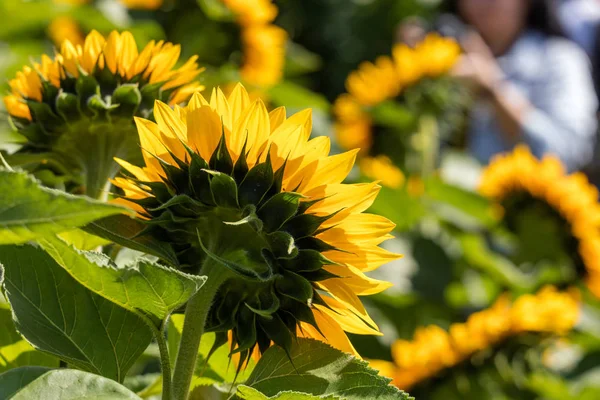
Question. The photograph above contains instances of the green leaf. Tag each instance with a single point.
(471, 204)
(14, 350)
(58, 315)
(29, 211)
(146, 288)
(392, 114)
(128, 232)
(293, 95)
(65, 384)
(80, 239)
(316, 368)
(216, 10)
(14, 380)
(247, 393)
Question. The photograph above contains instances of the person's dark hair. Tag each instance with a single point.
(542, 16)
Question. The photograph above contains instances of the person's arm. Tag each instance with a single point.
(564, 123)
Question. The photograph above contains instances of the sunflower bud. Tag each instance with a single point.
(76, 110)
(232, 187)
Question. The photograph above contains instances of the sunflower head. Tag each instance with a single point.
(519, 181)
(82, 102)
(387, 97)
(434, 349)
(234, 187)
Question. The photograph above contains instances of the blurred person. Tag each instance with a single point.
(580, 20)
(533, 85)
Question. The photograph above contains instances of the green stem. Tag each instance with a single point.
(193, 328)
(430, 140)
(165, 364)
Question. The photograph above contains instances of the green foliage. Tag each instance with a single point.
(58, 315)
(146, 288)
(247, 393)
(14, 350)
(65, 384)
(129, 232)
(316, 368)
(29, 211)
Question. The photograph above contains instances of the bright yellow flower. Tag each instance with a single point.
(382, 169)
(142, 4)
(65, 28)
(252, 12)
(264, 54)
(433, 349)
(572, 196)
(385, 79)
(277, 203)
(77, 108)
(119, 54)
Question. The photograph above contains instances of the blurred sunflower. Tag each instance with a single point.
(519, 179)
(65, 28)
(390, 93)
(261, 43)
(434, 349)
(246, 198)
(76, 109)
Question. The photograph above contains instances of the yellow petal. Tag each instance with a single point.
(333, 169)
(238, 102)
(365, 258)
(204, 130)
(151, 145)
(129, 52)
(94, 42)
(168, 122)
(253, 127)
(218, 102)
(277, 116)
(361, 284)
(112, 51)
(333, 334)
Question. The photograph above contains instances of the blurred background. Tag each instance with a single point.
(480, 120)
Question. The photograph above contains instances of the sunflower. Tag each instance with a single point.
(374, 84)
(262, 42)
(65, 28)
(434, 349)
(572, 197)
(243, 192)
(142, 4)
(77, 107)
(381, 168)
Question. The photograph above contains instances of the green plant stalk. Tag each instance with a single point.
(165, 363)
(430, 138)
(193, 328)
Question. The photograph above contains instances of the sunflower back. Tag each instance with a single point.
(80, 105)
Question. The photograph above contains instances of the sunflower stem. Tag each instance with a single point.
(193, 328)
(165, 364)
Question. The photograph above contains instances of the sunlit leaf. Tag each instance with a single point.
(58, 315)
(145, 288)
(29, 211)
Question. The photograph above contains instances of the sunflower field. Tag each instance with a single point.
(258, 199)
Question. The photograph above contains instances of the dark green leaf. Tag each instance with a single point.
(128, 232)
(316, 368)
(29, 211)
(14, 350)
(58, 315)
(145, 288)
(16, 379)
